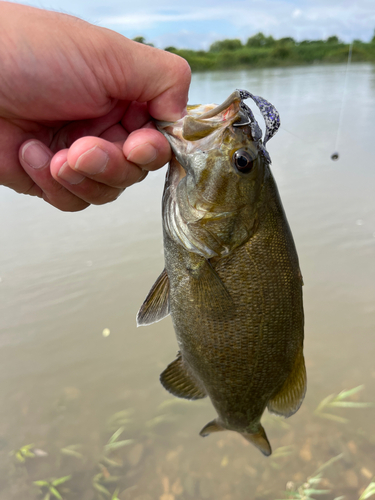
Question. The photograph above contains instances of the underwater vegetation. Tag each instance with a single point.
(134, 447)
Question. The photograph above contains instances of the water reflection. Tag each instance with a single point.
(90, 405)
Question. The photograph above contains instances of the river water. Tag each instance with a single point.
(65, 387)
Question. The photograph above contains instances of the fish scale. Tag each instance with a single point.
(231, 282)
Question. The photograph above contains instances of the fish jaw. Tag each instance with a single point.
(193, 133)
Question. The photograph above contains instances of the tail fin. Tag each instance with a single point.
(259, 440)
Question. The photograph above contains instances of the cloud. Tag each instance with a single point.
(151, 18)
(192, 24)
(279, 18)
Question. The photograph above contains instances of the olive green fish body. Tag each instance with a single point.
(231, 283)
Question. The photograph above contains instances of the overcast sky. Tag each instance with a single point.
(197, 23)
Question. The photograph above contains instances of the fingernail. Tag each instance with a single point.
(69, 175)
(35, 155)
(93, 161)
(143, 154)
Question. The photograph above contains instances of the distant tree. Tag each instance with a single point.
(139, 39)
(373, 38)
(228, 44)
(170, 49)
(260, 40)
(310, 42)
(142, 39)
(333, 39)
(286, 41)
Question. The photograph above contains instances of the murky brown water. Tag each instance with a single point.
(66, 277)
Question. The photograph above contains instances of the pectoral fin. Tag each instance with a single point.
(259, 440)
(180, 382)
(156, 305)
(209, 290)
(289, 399)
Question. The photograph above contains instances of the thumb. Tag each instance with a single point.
(138, 72)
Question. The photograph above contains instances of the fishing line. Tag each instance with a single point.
(335, 155)
(316, 146)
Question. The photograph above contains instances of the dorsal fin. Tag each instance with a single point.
(156, 305)
(290, 397)
(180, 382)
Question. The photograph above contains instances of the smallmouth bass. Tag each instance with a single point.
(231, 282)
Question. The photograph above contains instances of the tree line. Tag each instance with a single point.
(266, 51)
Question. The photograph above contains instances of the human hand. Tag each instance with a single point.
(76, 102)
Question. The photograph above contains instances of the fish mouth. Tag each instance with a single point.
(206, 112)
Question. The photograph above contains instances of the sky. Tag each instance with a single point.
(195, 24)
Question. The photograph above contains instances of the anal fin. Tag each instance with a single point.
(156, 305)
(179, 382)
(290, 397)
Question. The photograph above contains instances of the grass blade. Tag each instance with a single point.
(335, 418)
(72, 453)
(329, 463)
(118, 444)
(101, 489)
(116, 435)
(61, 480)
(55, 493)
(369, 491)
(324, 402)
(312, 491)
(351, 404)
(350, 392)
(41, 483)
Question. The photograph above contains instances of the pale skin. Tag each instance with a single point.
(76, 107)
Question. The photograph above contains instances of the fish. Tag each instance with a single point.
(232, 281)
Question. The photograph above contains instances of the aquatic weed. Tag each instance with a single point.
(23, 453)
(49, 487)
(72, 451)
(338, 401)
(369, 491)
(121, 418)
(310, 486)
(114, 444)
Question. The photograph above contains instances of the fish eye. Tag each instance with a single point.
(243, 161)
